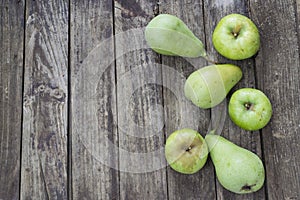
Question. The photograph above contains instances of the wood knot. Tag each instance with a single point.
(27, 100)
(58, 94)
(41, 88)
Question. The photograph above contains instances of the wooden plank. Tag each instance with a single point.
(298, 18)
(11, 74)
(278, 76)
(181, 113)
(214, 11)
(44, 142)
(93, 100)
(140, 105)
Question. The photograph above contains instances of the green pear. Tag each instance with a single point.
(208, 86)
(168, 35)
(237, 169)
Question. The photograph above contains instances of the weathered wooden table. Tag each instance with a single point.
(84, 115)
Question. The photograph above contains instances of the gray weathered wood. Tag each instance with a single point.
(123, 103)
(93, 94)
(278, 71)
(11, 74)
(181, 113)
(214, 11)
(298, 17)
(44, 142)
(140, 105)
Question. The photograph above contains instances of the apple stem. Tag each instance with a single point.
(248, 106)
(188, 149)
(236, 30)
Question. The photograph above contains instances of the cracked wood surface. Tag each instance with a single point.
(11, 74)
(81, 110)
(45, 104)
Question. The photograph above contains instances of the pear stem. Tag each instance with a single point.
(212, 132)
(209, 60)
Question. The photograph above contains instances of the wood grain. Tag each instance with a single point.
(11, 74)
(93, 94)
(140, 105)
(44, 142)
(181, 113)
(85, 115)
(297, 4)
(278, 76)
(214, 11)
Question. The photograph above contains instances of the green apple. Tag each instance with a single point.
(236, 37)
(186, 151)
(250, 109)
